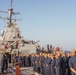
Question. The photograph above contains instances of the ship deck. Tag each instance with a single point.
(23, 71)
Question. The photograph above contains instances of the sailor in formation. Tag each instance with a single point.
(46, 63)
(55, 63)
(72, 63)
(50, 63)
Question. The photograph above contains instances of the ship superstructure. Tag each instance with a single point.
(12, 38)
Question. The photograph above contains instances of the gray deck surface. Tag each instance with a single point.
(24, 71)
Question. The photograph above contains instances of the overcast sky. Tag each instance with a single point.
(50, 21)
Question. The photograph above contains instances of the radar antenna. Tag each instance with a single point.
(10, 14)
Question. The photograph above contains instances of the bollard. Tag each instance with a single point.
(17, 70)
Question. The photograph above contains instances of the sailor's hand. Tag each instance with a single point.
(46, 64)
(36, 62)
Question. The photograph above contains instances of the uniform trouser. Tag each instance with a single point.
(68, 72)
(63, 70)
(52, 70)
(3, 67)
(49, 70)
(6, 65)
(37, 68)
(46, 70)
(34, 66)
(58, 71)
(13, 62)
(24, 64)
(31, 64)
(27, 63)
(73, 73)
(41, 68)
(21, 64)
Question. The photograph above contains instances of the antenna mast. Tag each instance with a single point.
(10, 10)
(11, 3)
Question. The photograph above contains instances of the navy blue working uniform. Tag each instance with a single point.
(33, 61)
(58, 66)
(4, 63)
(43, 58)
(53, 67)
(64, 65)
(22, 61)
(19, 59)
(29, 58)
(49, 65)
(37, 65)
(72, 64)
(46, 66)
(41, 64)
(16, 59)
(26, 61)
(68, 69)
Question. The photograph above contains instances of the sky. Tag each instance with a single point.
(50, 21)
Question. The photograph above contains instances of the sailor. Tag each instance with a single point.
(41, 63)
(72, 63)
(52, 65)
(58, 64)
(45, 65)
(4, 63)
(26, 60)
(43, 58)
(19, 59)
(22, 61)
(68, 69)
(32, 59)
(37, 64)
(34, 62)
(64, 64)
(16, 58)
(49, 60)
(29, 58)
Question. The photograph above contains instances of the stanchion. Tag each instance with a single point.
(17, 69)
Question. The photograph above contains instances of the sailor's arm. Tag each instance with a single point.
(72, 70)
(71, 66)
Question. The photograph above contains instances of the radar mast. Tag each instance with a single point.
(10, 10)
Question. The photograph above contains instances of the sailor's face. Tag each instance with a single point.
(72, 54)
(56, 56)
